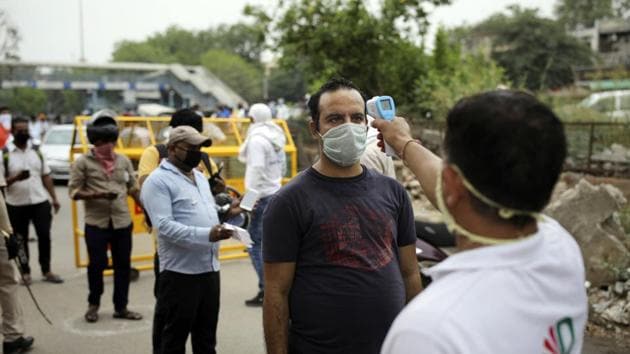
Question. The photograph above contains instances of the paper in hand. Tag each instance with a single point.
(240, 234)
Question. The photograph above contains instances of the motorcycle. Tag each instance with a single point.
(430, 238)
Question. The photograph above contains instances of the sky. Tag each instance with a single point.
(50, 28)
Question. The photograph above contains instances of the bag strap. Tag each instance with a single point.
(162, 151)
(206, 162)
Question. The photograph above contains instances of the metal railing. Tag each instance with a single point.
(590, 145)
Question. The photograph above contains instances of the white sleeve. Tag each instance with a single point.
(256, 153)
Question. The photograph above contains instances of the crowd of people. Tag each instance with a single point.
(334, 249)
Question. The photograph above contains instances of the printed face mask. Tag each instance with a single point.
(455, 228)
(345, 144)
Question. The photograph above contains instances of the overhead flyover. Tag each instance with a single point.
(147, 82)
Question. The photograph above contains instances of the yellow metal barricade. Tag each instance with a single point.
(137, 133)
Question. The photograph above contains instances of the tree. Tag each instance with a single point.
(235, 71)
(574, 13)
(535, 52)
(177, 45)
(24, 100)
(325, 38)
(286, 83)
(452, 75)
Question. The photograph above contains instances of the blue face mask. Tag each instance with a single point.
(345, 144)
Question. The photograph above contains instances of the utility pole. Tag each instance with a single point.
(82, 59)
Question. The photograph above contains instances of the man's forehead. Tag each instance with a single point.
(342, 98)
(18, 125)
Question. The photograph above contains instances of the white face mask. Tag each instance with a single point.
(345, 144)
(455, 228)
(5, 119)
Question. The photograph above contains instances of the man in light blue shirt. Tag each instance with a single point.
(179, 202)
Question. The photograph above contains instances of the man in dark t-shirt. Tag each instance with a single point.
(339, 242)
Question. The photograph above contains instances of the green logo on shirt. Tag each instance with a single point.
(561, 337)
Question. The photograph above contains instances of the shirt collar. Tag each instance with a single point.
(492, 257)
(165, 164)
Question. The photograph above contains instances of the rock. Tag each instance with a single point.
(619, 288)
(589, 213)
(626, 286)
(619, 313)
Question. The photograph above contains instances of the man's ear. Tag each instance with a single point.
(453, 188)
(312, 127)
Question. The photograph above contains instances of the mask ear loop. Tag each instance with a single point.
(452, 225)
(503, 211)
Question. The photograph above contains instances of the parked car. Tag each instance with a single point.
(55, 148)
(615, 104)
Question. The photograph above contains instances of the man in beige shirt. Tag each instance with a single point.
(103, 179)
(12, 316)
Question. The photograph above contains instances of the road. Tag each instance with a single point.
(240, 327)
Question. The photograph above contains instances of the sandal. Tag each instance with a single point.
(127, 315)
(26, 279)
(92, 314)
(53, 278)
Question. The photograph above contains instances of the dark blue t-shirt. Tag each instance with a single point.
(343, 234)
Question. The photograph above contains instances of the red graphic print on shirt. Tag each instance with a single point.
(358, 237)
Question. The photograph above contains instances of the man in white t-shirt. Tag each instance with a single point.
(517, 283)
(265, 160)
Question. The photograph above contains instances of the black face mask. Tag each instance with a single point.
(192, 159)
(21, 138)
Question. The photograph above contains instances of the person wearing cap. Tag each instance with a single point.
(29, 193)
(150, 161)
(182, 209)
(103, 179)
(516, 284)
(265, 165)
(152, 155)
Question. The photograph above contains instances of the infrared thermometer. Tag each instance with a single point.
(383, 107)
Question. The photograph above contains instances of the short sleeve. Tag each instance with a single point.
(149, 161)
(45, 168)
(281, 231)
(77, 176)
(406, 221)
(132, 183)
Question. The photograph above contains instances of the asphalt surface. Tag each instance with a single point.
(240, 327)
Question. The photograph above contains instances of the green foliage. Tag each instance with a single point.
(454, 75)
(232, 53)
(535, 52)
(24, 100)
(585, 12)
(575, 113)
(286, 83)
(242, 76)
(73, 102)
(326, 38)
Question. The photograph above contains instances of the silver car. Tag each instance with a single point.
(56, 150)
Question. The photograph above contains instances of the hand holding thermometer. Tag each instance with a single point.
(383, 107)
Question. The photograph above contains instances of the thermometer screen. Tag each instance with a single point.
(386, 105)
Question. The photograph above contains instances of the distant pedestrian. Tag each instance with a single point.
(103, 179)
(265, 165)
(29, 188)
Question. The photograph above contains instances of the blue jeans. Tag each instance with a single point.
(256, 232)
